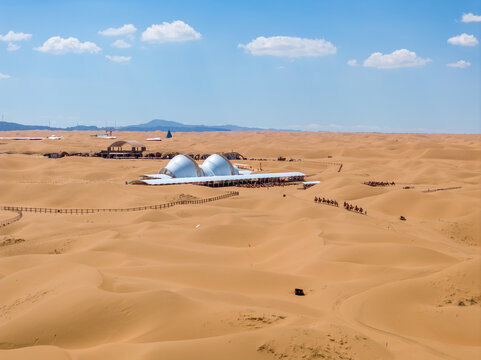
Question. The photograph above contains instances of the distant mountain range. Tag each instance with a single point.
(153, 125)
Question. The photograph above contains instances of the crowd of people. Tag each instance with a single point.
(379, 183)
(264, 185)
(355, 208)
(325, 201)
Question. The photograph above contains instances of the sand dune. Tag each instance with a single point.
(217, 280)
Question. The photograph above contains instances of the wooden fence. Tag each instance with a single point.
(21, 209)
(11, 220)
(442, 189)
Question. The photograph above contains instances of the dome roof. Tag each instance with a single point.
(182, 166)
(218, 165)
(133, 143)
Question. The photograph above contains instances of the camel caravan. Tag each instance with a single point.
(354, 208)
(379, 183)
(347, 206)
(323, 200)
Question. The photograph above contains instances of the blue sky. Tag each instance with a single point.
(270, 64)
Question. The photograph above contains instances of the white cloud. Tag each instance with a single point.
(60, 117)
(127, 29)
(12, 47)
(352, 62)
(461, 64)
(470, 17)
(397, 59)
(463, 40)
(121, 44)
(176, 31)
(4, 76)
(13, 36)
(289, 46)
(118, 59)
(59, 46)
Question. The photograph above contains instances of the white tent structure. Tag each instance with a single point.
(182, 166)
(215, 171)
(218, 165)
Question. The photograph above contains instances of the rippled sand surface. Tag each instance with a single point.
(217, 280)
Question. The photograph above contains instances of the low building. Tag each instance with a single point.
(119, 150)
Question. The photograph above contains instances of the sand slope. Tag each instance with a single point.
(216, 281)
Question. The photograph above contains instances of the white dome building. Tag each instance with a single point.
(218, 165)
(215, 171)
(182, 166)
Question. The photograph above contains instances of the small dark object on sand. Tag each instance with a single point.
(283, 195)
(299, 292)
(402, 218)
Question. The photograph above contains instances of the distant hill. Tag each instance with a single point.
(153, 125)
(10, 126)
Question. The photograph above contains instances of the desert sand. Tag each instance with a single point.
(217, 280)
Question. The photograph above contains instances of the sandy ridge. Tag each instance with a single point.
(216, 280)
